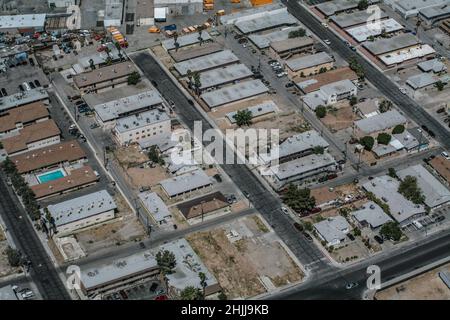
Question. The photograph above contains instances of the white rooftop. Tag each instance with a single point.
(407, 54)
(263, 41)
(434, 191)
(308, 61)
(385, 188)
(333, 229)
(361, 33)
(372, 214)
(355, 18)
(224, 75)
(270, 19)
(387, 45)
(206, 62)
(22, 21)
(380, 121)
(21, 98)
(249, 14)
(331, 7)
(81, 207)
(141, 120)
(434, 65)
(186, 40)
(233, 93)
(421, 80)
(154, 205)
(115, 109)
(185, 183)
(257, 110)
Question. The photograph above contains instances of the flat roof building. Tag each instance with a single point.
(249, 14)
(363, 32)
(238, 91)
(224, 75)
(112, 110)
(436, 194)
(104, 78)
(291, 46)
(434, 65)
(332, 230)
(315, 82)
(185, 183)
(331, 93)
(386, 189)
(371, 215)
(309, 64)
(263, 41)
(8, 293)
(32, 137)
(421, 81)
(268, 20)
(23, 98)
(155, 207)
(22, 23)
(200, 51)
(388, 45)
(207, 62)
(330, 8)
(433, 14)
(258, 110)
(17, 118)
(379, 123)
(184, 41)
(53, 155)
(356, 18)
(409, 8)
(207, 204)
(82, 212)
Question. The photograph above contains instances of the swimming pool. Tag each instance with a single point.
(51, 175)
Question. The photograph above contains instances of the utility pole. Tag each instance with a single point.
(203, 213)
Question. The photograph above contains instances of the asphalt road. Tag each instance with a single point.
(385, 85)
(263, 201)
(42, 271)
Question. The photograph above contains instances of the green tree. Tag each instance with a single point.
(392, 173)
(439, 85)
(297, 33)
(308, 226)
(357, 67)
(222, 296)
(410, 190)
(13, 256)
(363, 4)
(398, 129)
(353, 100)
(175, 41)
(166, 261)
(200, 31)
(197, 82)
(318, 150)
(384, 138)
(299, 199)
(321, 111)
(203, 283)
(367, 142)
(357, 232)
(243, 117)
(134, 78)
(385, 106)
(92, 64)
(9, 166)
(155, 156)
(323, 70)
(391, 230)
(191, 293)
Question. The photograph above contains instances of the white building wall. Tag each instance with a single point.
(76, 225)
(150, 131)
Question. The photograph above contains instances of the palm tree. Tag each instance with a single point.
(189, 76)
(175, 38)
(202, 277)
(91, 63)
(200, 30)
(197, 82)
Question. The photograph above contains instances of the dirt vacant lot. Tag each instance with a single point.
(245, 257)
(340, 117)
(130, 156)
(427, 286)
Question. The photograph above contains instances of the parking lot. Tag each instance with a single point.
(12, 81)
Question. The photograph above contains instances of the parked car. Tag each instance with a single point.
(328, 42)
(439, 219)
(231, 199)
(26, 86)
(31, 85)
(246, 194)
(403, 90)
(218, 177)
(94, 125)
(4, 93)
(445, 155)
(285, 210)
(31, 61)
(21, 88)
(307, 236)
(351, 285)
(350, 236)
(289, 85)
(378, 239)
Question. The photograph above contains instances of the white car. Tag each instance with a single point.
(328, 42)
(403, 90)
(325, 25)
(445, 155)
(285, 210)
(281, 74)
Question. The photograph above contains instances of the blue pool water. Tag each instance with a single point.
(49, 176)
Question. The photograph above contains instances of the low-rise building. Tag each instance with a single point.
(374, 29)
(35, 136)
(185, 183)
(261, 109)
(309, 65)
(105, 78)
(180, 7)
(371, 215)
(204, 205)
(82, 212)
(434, 65)
(285, 48)
(357, 18)
(368, 108)
(225, 75)
(436, 194)
(401, 209)
(13, 120)
(185, 41)
(206, 62)
(23, 98)
(434, 14)
(60, 154)
(376, 124)
(155, 207)
(315, 82)
(143, 126)
(422, 81)
(332, 230)
(26, 24)
(8, 293)
(330, 94)
(410, 8)
(265, 20)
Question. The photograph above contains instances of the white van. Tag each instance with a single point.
(417, 224)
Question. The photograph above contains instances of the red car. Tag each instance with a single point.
(162, 297)
(101, 48)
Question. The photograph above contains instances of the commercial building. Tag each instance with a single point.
(330, 94)
(8, 293)
(209, 204)
(315, 82)
(35, 136)
(184, 41)
(104, 78)
(265, 21)
(422, 81)
(294, 147)
(82, 212)
(332, 230)
(379, 123)
(195, 52)
(434, 65)
(235, 92)
(363, 32)
(143, 126)
(107, 113)
(207, 62)
(23, 98)
(368, 108)
(356, 18)
(401, 209)
(180, 7)
(336, 6)
(258, 110)
(398, 49)
(288, 47)
(13, 120)
(371, 215)
(98, 59)
(26, 24)
(309, 65)
(252, 13)
(445, 26)
(436, 194)
(155, 207)
(183, 184)
(224, 75)
(75, 179)
(262, 41)
(56, 155)
(434, 14)
(300, 169)
(113, 13)
(409, 8)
